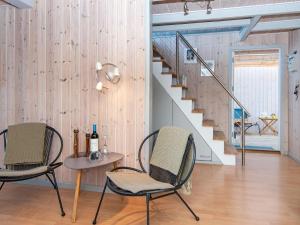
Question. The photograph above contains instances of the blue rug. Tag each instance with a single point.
(249, 147)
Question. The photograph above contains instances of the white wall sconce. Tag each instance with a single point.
(111, 71)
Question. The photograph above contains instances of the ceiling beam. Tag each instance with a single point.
(203, 26)
(200, 28)
(247, 30)
(21, 4)
(227, 13)
(277, 25)
(157, 2)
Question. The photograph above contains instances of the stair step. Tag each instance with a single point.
(179, 86)
(198, 111)
(188, 98)
(165, 64)
(208, 123)
(230, 150)
(219, 135)
(170, 73)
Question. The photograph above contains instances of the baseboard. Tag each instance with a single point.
(293, 158)
(208, 162)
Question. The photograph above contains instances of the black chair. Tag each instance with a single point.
(183, 176)
(21, 172)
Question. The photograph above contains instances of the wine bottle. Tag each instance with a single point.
(76, 144)
(94, 143)
(87, 144)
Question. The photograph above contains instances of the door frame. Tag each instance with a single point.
(148, 77)
(283, 91)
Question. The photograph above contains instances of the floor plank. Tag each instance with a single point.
(265, 192)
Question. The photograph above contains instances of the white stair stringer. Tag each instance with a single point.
(217, 146)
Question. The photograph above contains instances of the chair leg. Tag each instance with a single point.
(2, 185)
(148, 196)
(100, 202)
(196, 217)
(55, 186)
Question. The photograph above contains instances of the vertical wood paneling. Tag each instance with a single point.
(3, 72)
(48, 56)
(178, 7)
(294, 105)
(66, 130)
(10, 28)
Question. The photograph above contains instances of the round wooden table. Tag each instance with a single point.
(82, 163)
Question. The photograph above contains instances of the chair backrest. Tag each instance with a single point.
(186, 163)
(50, 134)
(238, 114)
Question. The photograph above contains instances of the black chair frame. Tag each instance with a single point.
(160, 193)
(49, 134)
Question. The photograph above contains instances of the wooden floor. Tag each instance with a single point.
(260, 140)
(265, 192)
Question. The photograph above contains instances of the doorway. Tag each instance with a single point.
(256, 83)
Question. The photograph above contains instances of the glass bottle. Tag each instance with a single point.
(76, 144)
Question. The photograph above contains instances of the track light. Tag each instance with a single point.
(186, 8)
(208, 7)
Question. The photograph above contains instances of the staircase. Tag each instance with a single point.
(206, 128)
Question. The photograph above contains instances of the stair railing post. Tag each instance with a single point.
(243, 137)
(177, 57)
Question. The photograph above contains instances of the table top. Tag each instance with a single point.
(268, 118)
(83, 162)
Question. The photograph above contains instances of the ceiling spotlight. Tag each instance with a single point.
(185, 8)
(209, 8)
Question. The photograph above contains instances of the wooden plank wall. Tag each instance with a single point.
(178, 7)
(216, 46)
(47, 72)
(294, 105)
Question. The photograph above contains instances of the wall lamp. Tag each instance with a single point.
(111, 72)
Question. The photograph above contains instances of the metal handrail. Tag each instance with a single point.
(212, 73)
(244, 110)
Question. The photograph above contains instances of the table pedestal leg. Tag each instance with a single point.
(77, 191)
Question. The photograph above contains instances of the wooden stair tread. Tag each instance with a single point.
(230, 150)
(165, 64)
(179, 86)
(170, 73)
(198, 111)
(208, 123)
(219, 135)
(188, 98)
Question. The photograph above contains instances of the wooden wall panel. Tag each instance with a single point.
(216, 46)
(47, 72)
(178, 7)
(294, 105)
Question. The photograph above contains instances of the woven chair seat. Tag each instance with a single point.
(136, 182)
(18, 173)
